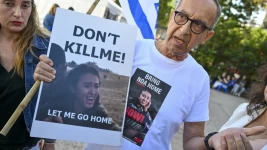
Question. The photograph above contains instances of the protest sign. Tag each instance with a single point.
(146, 95)
(87, 99)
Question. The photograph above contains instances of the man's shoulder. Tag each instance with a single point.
(197, 68)
(143, 47)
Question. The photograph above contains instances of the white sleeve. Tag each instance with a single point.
(264, 148)
(238, 119)
(200, 108)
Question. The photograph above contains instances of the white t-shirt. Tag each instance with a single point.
(187, 99)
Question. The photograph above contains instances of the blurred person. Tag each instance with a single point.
(236, 86)
(242, 87)
(222, 77)
(50, 17)
(71, 8)
(227, 85)
(220, 80)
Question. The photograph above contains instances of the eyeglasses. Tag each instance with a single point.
(196, 27)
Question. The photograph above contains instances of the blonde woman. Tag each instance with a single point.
(22, 41)
(49, 18)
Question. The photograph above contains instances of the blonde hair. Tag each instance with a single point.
(25, 39)
(54, 6)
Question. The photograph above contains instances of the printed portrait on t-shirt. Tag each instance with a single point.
(146, 95)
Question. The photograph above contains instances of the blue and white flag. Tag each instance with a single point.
(143, 14)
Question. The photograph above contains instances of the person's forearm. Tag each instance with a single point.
(195, 142)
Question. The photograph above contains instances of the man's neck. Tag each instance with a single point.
(163, 49)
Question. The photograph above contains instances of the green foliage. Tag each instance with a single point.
(165, 7)
(235, 45)
(117, 2)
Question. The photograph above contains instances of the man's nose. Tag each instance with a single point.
(185, 29)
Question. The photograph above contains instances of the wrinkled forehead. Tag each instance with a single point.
(202, 10)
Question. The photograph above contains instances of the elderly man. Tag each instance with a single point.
(190, 25)
(169, 60)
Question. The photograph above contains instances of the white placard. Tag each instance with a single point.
(93, 61)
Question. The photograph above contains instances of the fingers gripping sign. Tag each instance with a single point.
(44, 70)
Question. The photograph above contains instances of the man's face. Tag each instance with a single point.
(180, 39)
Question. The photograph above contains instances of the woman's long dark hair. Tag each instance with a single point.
(256, 95)
(75, 74)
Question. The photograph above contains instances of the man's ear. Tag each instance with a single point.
(208, 36)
